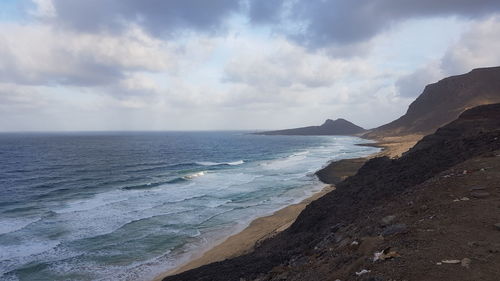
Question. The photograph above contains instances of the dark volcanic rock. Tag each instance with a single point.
(330, 127)
(479, 194)
(379, 180)
(442, 102)
(394, 229)
(337, 171)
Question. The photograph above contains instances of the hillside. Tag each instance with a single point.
(437, 203)
(442, 102)
(329, 127)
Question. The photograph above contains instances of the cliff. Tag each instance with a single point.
(405, 204)
(442, 102)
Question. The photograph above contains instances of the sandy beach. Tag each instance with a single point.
(268, 226)
(244, 241)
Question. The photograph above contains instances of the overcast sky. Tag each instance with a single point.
(225, 64)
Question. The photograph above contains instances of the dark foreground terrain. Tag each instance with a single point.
(435, 211)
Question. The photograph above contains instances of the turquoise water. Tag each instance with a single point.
(127, 206)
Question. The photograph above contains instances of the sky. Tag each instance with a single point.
(93, 65)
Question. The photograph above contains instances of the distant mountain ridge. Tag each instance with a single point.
(442, 102)
(329, 127)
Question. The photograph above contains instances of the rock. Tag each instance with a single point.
(477, 244)
(385, 255)
(495, 248)
(475, 188)
(395, 229)
(451, 261)
(387, 220)
(373, 278)
(364, 271)
(497, 226)
(465, 262)
(479, 194)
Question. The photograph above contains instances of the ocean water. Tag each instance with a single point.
(127, 206)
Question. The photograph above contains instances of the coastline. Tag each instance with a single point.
(244, 241)
(262, 228)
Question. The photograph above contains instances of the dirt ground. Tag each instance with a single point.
(450, 217)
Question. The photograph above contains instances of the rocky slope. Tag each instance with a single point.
(442, 102)
(330, 127)
(409, 204)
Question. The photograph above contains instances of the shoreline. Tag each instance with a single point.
(265, 227)
(244, 241)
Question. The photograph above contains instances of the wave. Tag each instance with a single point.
(177, 180)
(299, 153)
(144, 186)
(207, 163)
(171, 181)
(11, 225)
(195, 175)
(235, 163)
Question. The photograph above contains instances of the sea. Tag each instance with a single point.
(130, 205)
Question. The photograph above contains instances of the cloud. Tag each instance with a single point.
(157, 17)
(43, 55)
(343, 26)
(43, 9)
(319, 23)
(14, 97)
(478, 47)
(412, 85)
(265, 11)
(314, 23)
(280, 63)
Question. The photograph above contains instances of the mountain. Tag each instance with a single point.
(330, 127)
(401, 205)
(442, 102)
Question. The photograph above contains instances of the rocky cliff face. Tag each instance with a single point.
(318, 245)
(442, 102)
(330, 127)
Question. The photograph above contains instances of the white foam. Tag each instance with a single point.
(300, 153)
(208, 163)
(235, 163)
(195, 175)
(27, 248)
(284, 163)
(8, 225)
(96, 201)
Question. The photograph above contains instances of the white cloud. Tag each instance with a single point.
(412, 85)
(44, 55)
(281, 63)
(43, 9)
(250, 78)
(478, 47)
